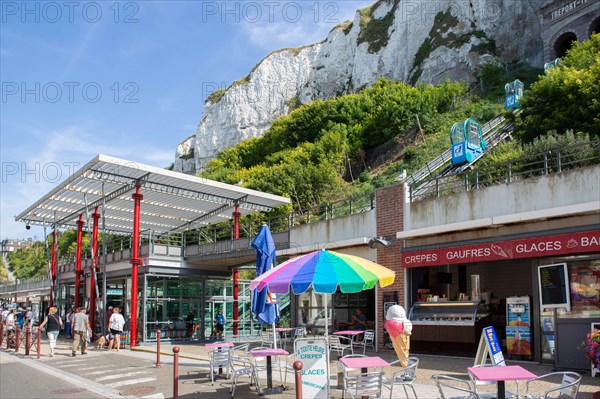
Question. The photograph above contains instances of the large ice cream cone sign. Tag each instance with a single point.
(400, 329)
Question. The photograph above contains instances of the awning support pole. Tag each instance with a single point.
(236, 235)
(135, 262)
(53, 269)
(94, 294)
(80, 224)
(104, 250)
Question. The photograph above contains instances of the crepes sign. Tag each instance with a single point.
(562, 244)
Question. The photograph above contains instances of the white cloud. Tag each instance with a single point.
(57, 154)
(292, 24)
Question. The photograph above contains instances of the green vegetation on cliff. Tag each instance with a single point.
(566, 97)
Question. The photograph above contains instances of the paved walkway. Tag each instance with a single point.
(133, 373)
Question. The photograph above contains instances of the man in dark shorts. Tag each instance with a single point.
(116, 324)
(220, 323)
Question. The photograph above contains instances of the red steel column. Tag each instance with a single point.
(135, 262)
(236, 235)
(92, 311)
(80, 224)
(53, 267)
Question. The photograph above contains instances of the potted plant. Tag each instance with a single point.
(591, 348)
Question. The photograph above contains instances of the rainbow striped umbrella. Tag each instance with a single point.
(324, 270)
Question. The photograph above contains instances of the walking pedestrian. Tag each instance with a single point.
(53, 325)
(10, 320)
(81, 326)
(68, 322)
(21, 318)
(116, 324)
(220, 324)
(29, 318)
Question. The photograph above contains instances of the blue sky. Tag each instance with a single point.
(125, 78)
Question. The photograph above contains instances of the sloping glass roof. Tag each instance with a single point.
(172, 201)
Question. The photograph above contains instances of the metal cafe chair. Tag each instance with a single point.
(566, 385)
(368, 340)
(364, 385)
(219, 359)
(346, 371)
(456, 386)
(243, 366)
(336, 343)
(403, 376)
(284, 364)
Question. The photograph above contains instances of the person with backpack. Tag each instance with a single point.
(54, 325)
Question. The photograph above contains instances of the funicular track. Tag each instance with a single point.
(494, 131)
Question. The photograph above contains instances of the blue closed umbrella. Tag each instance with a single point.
(264, 303)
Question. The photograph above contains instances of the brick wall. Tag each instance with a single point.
(390, 219)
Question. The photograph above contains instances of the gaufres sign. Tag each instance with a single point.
(562, 244)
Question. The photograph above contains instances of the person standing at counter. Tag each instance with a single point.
(359, 319)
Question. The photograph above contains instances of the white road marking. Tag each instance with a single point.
(115, 376)
(99, 372)
(154, 396)
(130, 382)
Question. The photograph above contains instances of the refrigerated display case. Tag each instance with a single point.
(449, 322)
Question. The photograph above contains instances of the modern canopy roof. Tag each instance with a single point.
(172, 201)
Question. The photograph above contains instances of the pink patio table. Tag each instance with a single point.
(219, 345)
(350, 333)
(284, 333)
(363, 363)
(268, 353)
(500, 374)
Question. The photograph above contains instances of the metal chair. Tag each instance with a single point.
(284, 367)
(456, 386)
(240, 350)
(368, 339)
(364, 385)
(345, 371)
(403, 376)
(566, 385)
(243, 366)
(219, 359)
(266, 339)
(335, 343)
(300, 332)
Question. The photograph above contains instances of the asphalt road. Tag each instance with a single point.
(19, 381)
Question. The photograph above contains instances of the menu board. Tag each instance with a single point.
(314, 355)
(554, 286)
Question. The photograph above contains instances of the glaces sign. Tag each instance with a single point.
(562, 244)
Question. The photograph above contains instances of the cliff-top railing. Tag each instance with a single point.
(512, 171)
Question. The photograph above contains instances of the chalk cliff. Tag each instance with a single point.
(413, 41)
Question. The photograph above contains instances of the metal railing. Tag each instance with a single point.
(519, 169)
(29, 284)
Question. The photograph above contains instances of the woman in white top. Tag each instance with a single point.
(116, 324)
